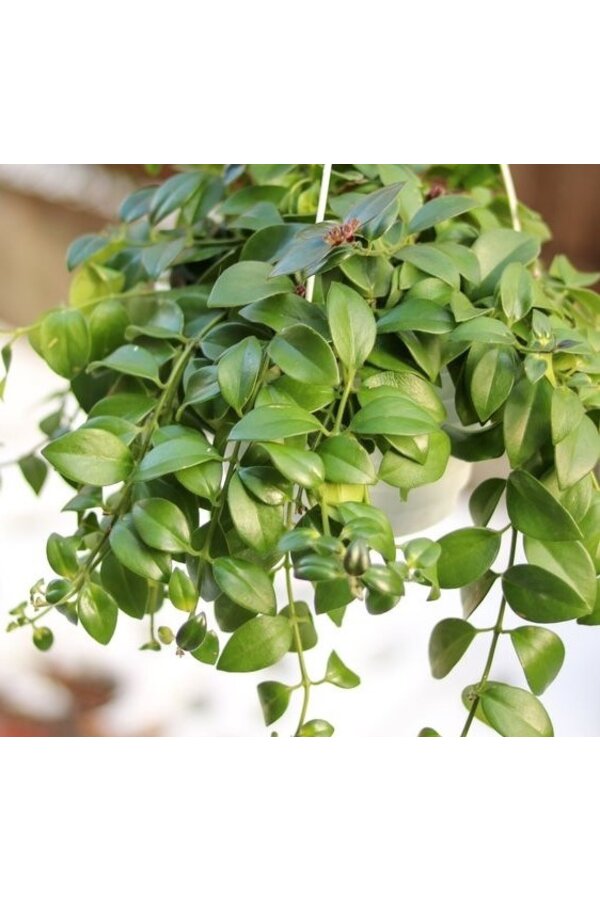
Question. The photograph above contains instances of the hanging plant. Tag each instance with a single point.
(241, 374)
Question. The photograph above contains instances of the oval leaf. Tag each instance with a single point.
(257, 644)
(90, 456)
(246, 584)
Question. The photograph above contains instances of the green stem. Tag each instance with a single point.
(305, 680)
(494, 643)
(344, 401)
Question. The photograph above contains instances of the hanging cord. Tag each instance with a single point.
(513, 203)
(321, 207)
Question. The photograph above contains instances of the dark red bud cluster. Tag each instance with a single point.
(342, 234)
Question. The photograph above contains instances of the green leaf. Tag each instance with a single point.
(483, 330)
(472, 595)
(496, 249)
(302, 353)
(266, 484)
(305, 251)
(375, 204)
(429, 259)
(407, 474)
(485, 499)
(159, 257)
(384, 580)
(128, 589)
(90, 456)
(569, 560)
(133, 407)
(208, 651)
(306, 628)
(137, 204)
(371, 274)
(577, 453)
(271, 423)
(174, 456)
(257, 644)
(183, 593)
(237, 372)
(467, 554)
(534, 511)
(513, 712)
(450, 640)
(284, 310)
(97, 612)
(246, 282)
(302, 467)
(527, 420)
(246, 584)
(491, 377)
(393, 416)
(516, 292)
(130, 359)
(161, 525)
(203, 480)
(274, 700)
(440, 209)
(259, 526)
(381, 536)
(428, 732)
(541, 653)
(566, 413)
(339, 674)
(83, 248)
(34, 471)
(270, 243)
(346, 461)
(539, 596)
(410, 385)
(416, 315)
(160, 319)
(352, 324)
(316, 728)
(332, 595)
(174, 193)
(64, 342)
(134, 555)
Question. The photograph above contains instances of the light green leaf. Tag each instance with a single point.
(302, 467)
(64, 341)
(136, 556)
(394, 416)
(485, 499)
(407, 474)
(440, 209)
(416, 315)
(484, 330)
(339, 674)
(90, 456)
(174, 456)
(346, 461)
(527, 420)
(302, 353)
(97, 612)
(237, 372)
(513, 712)
(269, 423)
(429, 259)
(577, 453)
(316, 728)
(539, 596)
(541, 653)
(516, 291)
(496, 249)
(161, 525)
(566, 413)
(274, 699)
(130, 359)
(569, 560)
(352, 325)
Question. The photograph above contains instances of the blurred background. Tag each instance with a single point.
(79, 688)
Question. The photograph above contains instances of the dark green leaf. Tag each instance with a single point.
(34, 471)
(174, 193)
(257, 644)
(352, 325)
(534, 511)
(473, 594)
(484, 330)
(577, 454)
(246, 282)
(539, 596)
(567, 412)
(246, 584)
(129, 590)
(429, 259)
(90, 456)
(346, 461)
(130, 359)
(516, 291)
(485, 499)
(259, 526)
(450, 639)
(302, 467)
(496, 249)
(416, 315)
(540, 652)
(285, 310)
(159, 257)
(302, 353)
(491, 377)
(306, 629)
(569, 560)
(466, 555)
(237, 372)
(394, 416)
(174, 456)
(405, 473)
(381, 537)
(134, 555)
(97, 613)
(527, 420)
(375, 205)
(83, 248)
(440, 209)
(137, 204)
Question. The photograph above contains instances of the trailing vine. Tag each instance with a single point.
(250, 350)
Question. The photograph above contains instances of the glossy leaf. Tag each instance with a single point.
(485, 499)
(302, 467)
(237, 372)
(316, 728)
(466, 555)
(246, 282)
(540, 596)
(246, 584)
(162, 525)
(450, 639)
(274, 699)
(174, 193)
(416, 315)
(339, 674)
(128, 590)
(567, 412)
(271, 423)
(429, 259)
(97, 612)
(569, 560)
(496, 249)
(174, 456)
(352, 325)
(527, 420)
(439, 210)
(534, 511)
(134, 555)
(131, 359)
(259, 526)
(64, 341)
(346, 461)
(90, 456)
(541, 653)
(513, 712)
(183, 593)
(302, 353)
(257, 644)
(394, 416)
(577, 454)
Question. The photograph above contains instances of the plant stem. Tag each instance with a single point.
(305, 680)
(495, 637)
(343, 402)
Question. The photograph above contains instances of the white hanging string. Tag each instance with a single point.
(321, 207)
(511, 193)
